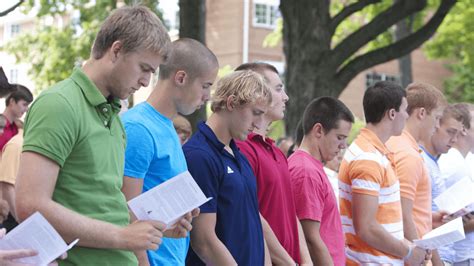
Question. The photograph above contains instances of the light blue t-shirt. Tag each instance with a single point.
(154, 154)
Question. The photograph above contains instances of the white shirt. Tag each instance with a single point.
(453, 168)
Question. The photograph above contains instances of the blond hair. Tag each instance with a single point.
(137, 27)
(246, 86)
(423, 95)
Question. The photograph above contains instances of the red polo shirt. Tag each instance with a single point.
(274, 193)
(9, 132)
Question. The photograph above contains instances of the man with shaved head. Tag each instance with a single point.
(153, 154)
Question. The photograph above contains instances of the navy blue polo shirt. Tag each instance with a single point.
(231, 183)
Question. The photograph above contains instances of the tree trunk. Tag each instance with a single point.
(305, 24)
(403, 29)
(314, 69)
(192, 24)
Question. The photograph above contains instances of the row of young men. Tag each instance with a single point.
(80, 163)
(74, 155)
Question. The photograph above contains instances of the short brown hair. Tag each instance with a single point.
(247, 86)
(190, 56)
(457, 114)
(464, 109)
(423, 95)
(137, 27)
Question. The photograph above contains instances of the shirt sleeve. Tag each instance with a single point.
(409, 173)
(139, 151)
(366, 175)
(51, 128)
(206, 175)
(308, 193)
(10, 162)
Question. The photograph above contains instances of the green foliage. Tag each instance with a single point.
(454, 40)
(356, 127)
(53, 52)
(277, 130)
(275, 37)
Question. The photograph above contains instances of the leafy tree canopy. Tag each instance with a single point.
(455, 41)
(53, 51)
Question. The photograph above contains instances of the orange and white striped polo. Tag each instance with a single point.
(367, 168)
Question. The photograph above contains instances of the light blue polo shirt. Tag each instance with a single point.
(154, 153)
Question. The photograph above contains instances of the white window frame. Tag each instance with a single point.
(269, 5)
(372, 77)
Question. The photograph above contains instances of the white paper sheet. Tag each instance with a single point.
(448, 233)
(169, 201)
(38, 234)
(456, 197)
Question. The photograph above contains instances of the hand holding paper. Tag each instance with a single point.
(448, 233)
(169, 201)
(35, 233)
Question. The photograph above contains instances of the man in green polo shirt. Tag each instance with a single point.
(73, 155)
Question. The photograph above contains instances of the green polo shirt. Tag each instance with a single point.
(74, 125)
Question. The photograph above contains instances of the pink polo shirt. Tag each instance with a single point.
(315, 200)
(274, 193)
(9, 132)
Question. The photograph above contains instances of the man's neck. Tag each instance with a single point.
(310, 146)
(161, 98)
(380, 130)
(217, 122)
(263, 129)
(9, 115)
(413, 127)
(95, 74)
(428, 146)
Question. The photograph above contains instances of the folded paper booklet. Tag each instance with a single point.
(37, 234)
(169, 201)
(446, 234)
(456, 197)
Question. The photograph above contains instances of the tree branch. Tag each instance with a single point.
(397, 49)
(378, 25)
(349, 10)
(4, 13)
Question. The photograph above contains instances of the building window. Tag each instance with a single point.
(14, 29)
(13, 76)
(265, 14)
(374, 77)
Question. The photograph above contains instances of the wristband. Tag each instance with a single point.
(410, 251)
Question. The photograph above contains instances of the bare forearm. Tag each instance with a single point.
(278, 254)
(72, 225)
(213, 252)
(319, 253)
(409, 227)
(304, 252)
(376, 236)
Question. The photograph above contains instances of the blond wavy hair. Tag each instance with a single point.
(246, 86)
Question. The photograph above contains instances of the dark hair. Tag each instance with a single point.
(258, 67)
(326, 111)
(5, 87)
(20, 92)
(381, 97)
(299, 133)
(190, 56)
